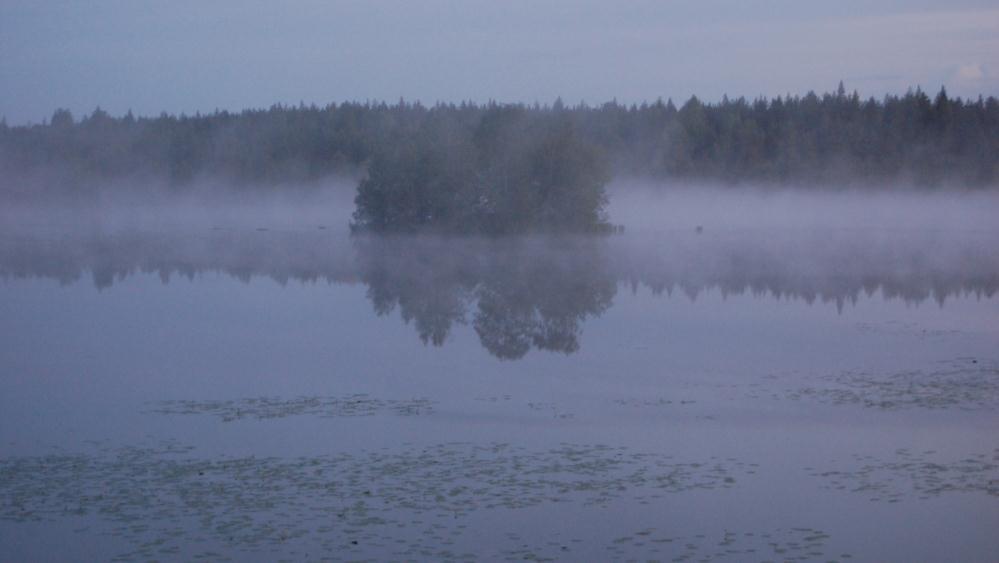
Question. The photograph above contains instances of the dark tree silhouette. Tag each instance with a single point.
(511, 168)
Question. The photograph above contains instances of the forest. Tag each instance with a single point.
(511, 167)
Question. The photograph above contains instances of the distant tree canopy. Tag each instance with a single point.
(510, 172)
(488, 156)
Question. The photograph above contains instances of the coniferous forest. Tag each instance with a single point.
(511, 167)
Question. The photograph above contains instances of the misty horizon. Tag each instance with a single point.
(507, 168)
(570, 280)
(830, 246)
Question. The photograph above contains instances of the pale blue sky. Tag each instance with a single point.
(185, 56)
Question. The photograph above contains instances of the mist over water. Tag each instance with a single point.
(650, 207)
(206, 205)
(826, 244)
(186, 376)
(639, 205)
(264, 296)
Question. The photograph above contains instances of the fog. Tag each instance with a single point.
(245, 354)
(204, 205)
(641, 207)
(645, 206)
(562, 281)
(834, 246)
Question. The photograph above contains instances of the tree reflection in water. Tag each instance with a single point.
(518, 293)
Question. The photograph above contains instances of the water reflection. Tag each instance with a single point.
(519, 293)
(525, 293)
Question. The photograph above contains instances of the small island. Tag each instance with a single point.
(510, 172)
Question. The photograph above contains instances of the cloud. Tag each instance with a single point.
(970, 72)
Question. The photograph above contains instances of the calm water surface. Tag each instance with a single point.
(262, 393)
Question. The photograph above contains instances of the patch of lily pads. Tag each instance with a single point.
(965, 383)
(782, 544)
(413, 501)
(907, 475)
(263, 408)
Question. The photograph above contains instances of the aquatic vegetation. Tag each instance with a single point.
(557, 412)
(905, 474)
(782, 544)
(494, 398)
(660, 402)
(963, 383)
(412, 501)
(652, 544)
(273, 407)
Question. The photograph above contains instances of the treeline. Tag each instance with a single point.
(813, 139)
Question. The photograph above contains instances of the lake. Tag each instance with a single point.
(276, 389)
